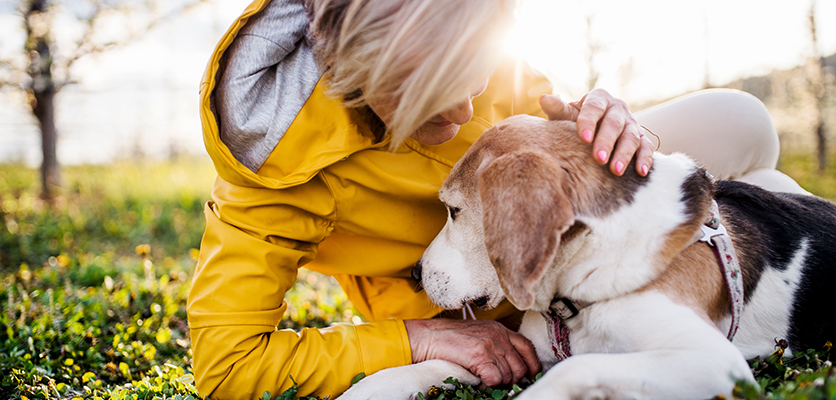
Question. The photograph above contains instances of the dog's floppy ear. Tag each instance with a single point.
(524, 213)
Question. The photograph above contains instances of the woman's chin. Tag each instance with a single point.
(432, 134)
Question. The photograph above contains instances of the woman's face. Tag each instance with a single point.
(440, 128)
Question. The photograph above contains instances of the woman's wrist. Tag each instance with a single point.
(414, 331)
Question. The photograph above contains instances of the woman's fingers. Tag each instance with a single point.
(617, 137)
(611, 128)
(488, 372)
(497, 359)
(527, 353)
(505, 372)
(644, 157)
(486, 348)
(593, 108)
(556, 109)
(520, 358)
(626, 147)
(608, 124)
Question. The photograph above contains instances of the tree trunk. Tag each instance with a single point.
(816, 82)
(822, 139)
(42, 88)
(44, 110)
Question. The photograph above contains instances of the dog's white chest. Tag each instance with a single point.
(631, 323)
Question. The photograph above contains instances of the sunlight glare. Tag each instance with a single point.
(544, 36)
(532, 24)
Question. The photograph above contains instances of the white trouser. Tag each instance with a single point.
(728, 131)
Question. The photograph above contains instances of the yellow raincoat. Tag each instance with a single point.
(332, 199)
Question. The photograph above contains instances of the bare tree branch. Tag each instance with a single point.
(6, 64)
(184, 8)
(12, 85)
(87, 37)
(85, 45)
(15, 70)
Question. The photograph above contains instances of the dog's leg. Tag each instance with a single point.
(405, 382)
(659, 374)
(659, 350)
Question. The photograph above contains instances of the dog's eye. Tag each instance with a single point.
(454, 212)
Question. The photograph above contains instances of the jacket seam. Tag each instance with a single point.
(331, 221)
(416, 147)
(230, 321)
(359, 348)
(404, 340)
(483, 122)
(266, 39)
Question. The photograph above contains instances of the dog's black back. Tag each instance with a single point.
(769, 229)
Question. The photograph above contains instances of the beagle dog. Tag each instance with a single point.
(632, 286)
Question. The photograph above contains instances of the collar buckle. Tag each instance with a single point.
(564, 308)
(708, 233)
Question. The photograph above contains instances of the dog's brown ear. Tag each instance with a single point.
(524, 213)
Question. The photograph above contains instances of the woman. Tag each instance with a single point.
(331, 129)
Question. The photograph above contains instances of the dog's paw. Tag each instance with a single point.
(544, 392)
(568, 380)
(405, 382)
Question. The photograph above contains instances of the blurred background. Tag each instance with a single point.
(127, 72)
(101, 221)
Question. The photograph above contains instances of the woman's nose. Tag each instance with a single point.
(460, 114)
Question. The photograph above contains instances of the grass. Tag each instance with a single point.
(804, 169)
(93, 288)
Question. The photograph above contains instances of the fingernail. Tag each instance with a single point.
(644, 170)
(602, 155)
(619, 167)
(587, 137)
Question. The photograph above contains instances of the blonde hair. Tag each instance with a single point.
(426, 55)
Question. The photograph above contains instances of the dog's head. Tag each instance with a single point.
(531, 214)
(508, 208)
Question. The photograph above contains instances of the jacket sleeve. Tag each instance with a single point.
(254, 242)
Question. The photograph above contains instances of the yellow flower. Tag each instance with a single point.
(63, 260)
(143, 249)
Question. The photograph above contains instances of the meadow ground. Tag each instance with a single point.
(94, 287)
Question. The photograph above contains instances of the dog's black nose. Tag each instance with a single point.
(416, 272)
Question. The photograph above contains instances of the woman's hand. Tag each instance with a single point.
(608, 121)
(488, 349)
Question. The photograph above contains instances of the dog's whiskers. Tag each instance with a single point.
(465, 310)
